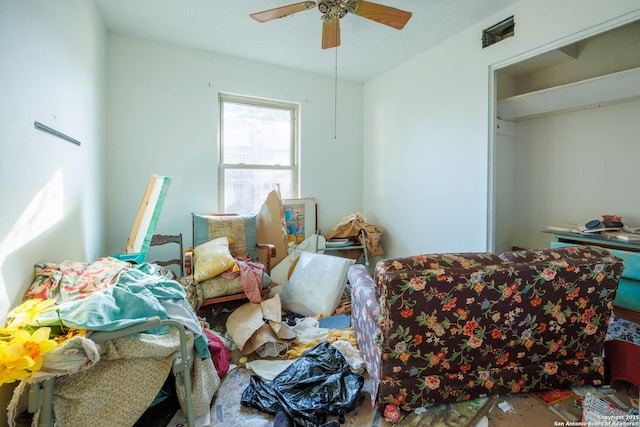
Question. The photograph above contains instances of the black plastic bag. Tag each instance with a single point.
(318, 384)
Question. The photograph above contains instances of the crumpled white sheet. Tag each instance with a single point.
(72, 356)
(352, 355)
(268, 369)
(307, 330)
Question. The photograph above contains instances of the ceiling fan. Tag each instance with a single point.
(333, 10)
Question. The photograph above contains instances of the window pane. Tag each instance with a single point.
(256, 135)
(246, 189)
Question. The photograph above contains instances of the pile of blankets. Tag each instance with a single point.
(114, 382)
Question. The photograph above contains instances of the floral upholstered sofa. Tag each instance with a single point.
(450, 327)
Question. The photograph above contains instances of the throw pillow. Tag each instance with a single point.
(241, 229)
(316, 284)
(212, 258)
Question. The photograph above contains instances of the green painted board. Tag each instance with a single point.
(146, 220)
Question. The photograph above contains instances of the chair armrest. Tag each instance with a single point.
(367, 318)
(188, 262)
(270, 253)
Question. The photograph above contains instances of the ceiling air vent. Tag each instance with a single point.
(498, 32)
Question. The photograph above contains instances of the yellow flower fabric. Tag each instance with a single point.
(23, 343)
(13, 364)
(36, 345)
(26, 313)
(23, 354)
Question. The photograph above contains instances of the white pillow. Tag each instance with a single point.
(316, 284)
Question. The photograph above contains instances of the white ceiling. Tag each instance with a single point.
(367, 48)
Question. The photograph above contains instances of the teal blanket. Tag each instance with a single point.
(137, 295)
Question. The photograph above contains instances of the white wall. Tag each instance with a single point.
(574, 167)
(427, 129)
(163, 118)
(505, 170)
(52, 70)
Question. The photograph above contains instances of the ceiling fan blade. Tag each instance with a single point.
(281, 12)
(390, 16)
(331, 33)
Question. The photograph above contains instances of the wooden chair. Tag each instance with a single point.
(163, 239)
(240, 229)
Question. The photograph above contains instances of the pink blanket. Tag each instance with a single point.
(251, 275)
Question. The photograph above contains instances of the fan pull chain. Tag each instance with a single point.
(335, 99)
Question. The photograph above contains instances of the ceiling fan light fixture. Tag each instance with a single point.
(324, 7)
(331, 12)
(351, 5)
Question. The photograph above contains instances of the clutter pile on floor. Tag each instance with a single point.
(305, 369)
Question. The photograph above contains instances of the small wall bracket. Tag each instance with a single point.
(54, 132)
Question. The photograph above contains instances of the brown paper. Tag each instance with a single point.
(350, 227)
(253, 325)
(271, 227)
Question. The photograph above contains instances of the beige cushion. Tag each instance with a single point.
(220, 286)
(212, 258)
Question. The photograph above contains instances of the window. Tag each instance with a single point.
(258, 152)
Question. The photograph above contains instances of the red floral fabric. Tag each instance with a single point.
(451, 327)
(71, 280)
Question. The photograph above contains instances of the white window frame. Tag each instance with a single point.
(294, 108)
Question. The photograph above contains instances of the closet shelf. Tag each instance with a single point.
(610, 88)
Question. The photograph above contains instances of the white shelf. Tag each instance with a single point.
(615, 87)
